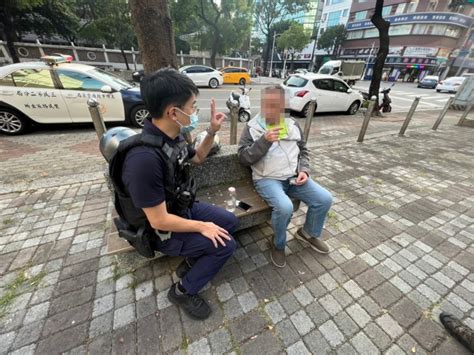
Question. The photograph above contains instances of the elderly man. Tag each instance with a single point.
(275, 149)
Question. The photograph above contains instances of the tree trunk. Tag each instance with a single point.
(125, 58)
(9, 34)
(214, 49)
(152, 23)
(384, 40)
(268, 53)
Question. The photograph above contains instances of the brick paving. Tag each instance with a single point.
(402, 231)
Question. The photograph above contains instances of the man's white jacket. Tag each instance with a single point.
(278, 160)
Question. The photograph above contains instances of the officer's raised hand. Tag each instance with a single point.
(216, 117)
(215, 125)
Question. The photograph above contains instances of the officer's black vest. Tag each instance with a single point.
(180, 187)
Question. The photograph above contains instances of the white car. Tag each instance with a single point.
(203, 76)
(451, 84)
(331, 94)
(56, 91)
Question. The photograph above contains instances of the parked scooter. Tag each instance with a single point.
(384, 99)
(242, 101)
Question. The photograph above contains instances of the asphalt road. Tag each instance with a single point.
(402, 95)
(221, 95)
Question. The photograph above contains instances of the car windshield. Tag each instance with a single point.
(295, 81)
(110, 79)
(325, 69)
(454, 80)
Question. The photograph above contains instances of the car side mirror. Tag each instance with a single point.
(184, 72)
(349, 91)
(107, 89)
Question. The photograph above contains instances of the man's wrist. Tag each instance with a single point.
(307, 173)
(210, 131)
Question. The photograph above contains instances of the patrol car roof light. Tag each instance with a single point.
(57, 58)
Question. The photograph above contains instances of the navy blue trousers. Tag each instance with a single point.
(205, 258)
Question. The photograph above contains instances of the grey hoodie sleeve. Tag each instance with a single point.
(251, 151)
(304, 161)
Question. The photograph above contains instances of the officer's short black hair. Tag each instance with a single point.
(165, 87)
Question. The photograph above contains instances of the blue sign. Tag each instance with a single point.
(426, 17)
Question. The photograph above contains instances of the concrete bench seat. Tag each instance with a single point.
(214, 177)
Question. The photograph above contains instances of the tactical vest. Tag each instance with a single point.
(180, 187)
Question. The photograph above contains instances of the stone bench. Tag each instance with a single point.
(214, 177)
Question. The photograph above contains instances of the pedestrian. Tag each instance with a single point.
(275, 149)
(200, 232)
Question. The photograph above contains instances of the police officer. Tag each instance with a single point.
(203, 234)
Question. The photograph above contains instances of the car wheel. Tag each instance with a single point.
(438, 90)
(13, 122)
(353, 108)
(244, 116)
(138, 116)
(304, 113)
(242, 81)
(213, 83)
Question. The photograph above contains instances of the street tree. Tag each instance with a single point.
(152, 23)
(10, 11)
(113, 26)
(270, 12)
(228, 24)
(384, 41)
(331, 39)
(293, 39)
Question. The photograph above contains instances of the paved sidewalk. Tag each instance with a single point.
(402, 228)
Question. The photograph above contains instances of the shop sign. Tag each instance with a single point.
(420, 51)
(426, 17)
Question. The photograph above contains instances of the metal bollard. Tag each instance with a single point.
(234, 116)
(97, 118)
(409, 115)
(443, 113)
(465, 113)
(365, 124)
(309, 118)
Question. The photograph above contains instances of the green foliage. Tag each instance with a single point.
(111, 25)
(332, 38)
(295, 38)
(270, 12)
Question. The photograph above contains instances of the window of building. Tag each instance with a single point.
(355, 34)
(370, 33)
(400, 9)
(452, 31)
(333, 18)
(325, 16)
(432, 5)
(400, 30)
(386, 10)
(412, 6)
(334, 2)
(360, 15)
(33, 78)
(344, 13)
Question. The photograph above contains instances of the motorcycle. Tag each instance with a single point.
(384, 99)
(242, 102)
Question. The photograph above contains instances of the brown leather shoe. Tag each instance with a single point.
(278, 257)
(316, 244)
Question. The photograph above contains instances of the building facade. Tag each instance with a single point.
(425, 37)
(335, 12)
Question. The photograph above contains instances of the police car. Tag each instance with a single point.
(55, 90)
